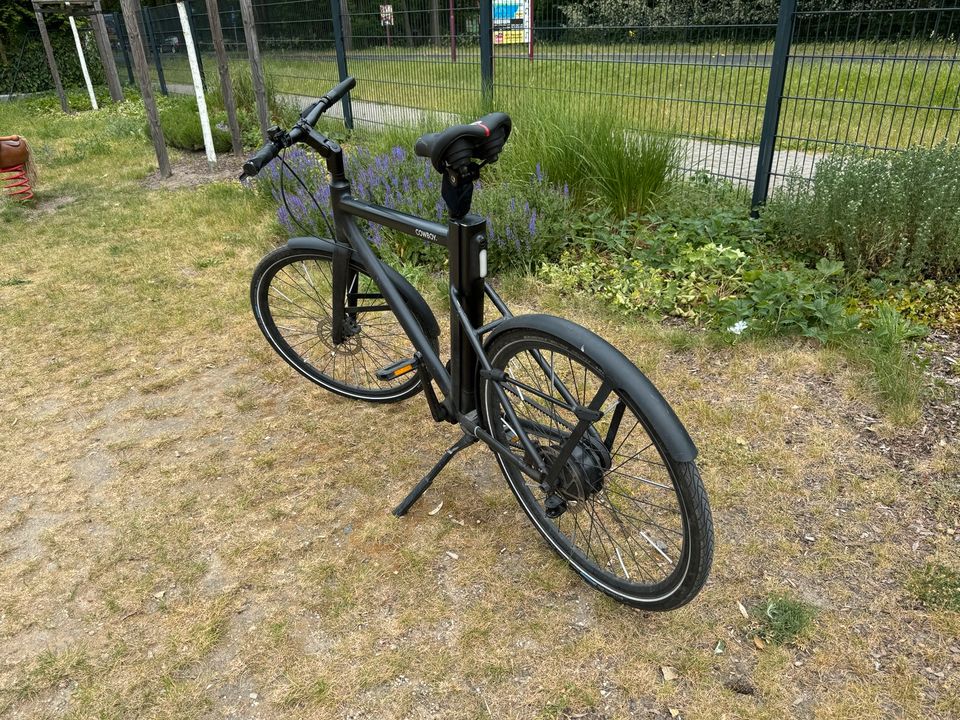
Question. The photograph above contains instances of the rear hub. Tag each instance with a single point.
(580, 477)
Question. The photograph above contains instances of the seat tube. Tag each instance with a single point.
(467, 237)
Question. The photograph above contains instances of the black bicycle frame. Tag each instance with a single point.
(466, 243)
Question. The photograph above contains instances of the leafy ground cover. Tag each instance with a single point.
(191, 530)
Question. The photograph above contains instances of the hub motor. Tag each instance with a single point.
(580, 477)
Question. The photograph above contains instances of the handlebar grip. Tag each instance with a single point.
(328, 101)
(340, 90)
(264, 155)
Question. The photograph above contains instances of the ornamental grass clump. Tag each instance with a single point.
(593, 152)
(895, 214)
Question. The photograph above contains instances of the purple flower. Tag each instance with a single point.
(539, 174)
(533, 224)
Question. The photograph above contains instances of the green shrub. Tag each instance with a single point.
(897, 213)
(180, 121)
(794, 300)
(710, 270)
(281, 112)
(592, 152)
(32, 72)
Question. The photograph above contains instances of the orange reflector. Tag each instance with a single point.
(402, 370)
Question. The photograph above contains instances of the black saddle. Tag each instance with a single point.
(453, 148)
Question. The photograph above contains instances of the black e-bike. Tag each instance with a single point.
(595, 456)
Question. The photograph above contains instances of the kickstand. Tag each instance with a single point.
(464, 442)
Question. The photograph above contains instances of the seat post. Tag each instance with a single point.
(467, 237)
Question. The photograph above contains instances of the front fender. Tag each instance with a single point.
(414, 300)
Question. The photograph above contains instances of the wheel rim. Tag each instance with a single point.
(625, 528)
(297, 293)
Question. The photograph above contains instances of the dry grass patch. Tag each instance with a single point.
(191, 530)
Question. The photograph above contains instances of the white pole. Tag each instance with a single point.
(197, 84)
(83, 64)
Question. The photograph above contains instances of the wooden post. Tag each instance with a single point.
(223, 66)
(256, 67)
(131, 13)
(106, 53)
(51, 61)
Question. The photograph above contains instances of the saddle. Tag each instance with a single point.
(13, 151)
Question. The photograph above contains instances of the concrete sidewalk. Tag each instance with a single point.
(733, 161)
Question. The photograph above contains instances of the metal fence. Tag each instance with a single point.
(754, 103)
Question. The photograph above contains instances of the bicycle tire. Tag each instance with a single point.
(593, 484)
(304, 294)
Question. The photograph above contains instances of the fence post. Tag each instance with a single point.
(486, 52)
(341, 61)
(223, 67)
(256, 65)
(154, 48)
(124, 41)
(771, 114)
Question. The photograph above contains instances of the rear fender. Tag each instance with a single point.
(414, 300)
(664, 425)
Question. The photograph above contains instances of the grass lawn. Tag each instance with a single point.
(191, 530)
(710, 90)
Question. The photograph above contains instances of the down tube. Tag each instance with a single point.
(406, 318)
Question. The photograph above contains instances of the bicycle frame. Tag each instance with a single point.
(465, 240)
(466, 243)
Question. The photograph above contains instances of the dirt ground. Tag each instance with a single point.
(191, 530)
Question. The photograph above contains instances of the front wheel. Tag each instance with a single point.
(629, 518)
(292, 297)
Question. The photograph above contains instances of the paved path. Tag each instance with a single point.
(732, 161)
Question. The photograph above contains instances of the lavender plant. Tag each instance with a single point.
(527, 221)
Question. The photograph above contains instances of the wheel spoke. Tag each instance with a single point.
(296, 305)
(621, 521)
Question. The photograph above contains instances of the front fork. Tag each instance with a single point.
(344, 320)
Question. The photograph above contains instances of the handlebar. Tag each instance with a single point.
(313, 113)
(310, 116)
(255, 164)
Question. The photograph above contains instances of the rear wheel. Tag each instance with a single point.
(629, 519)
(292, 297)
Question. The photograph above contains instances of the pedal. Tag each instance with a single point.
(398, 369)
